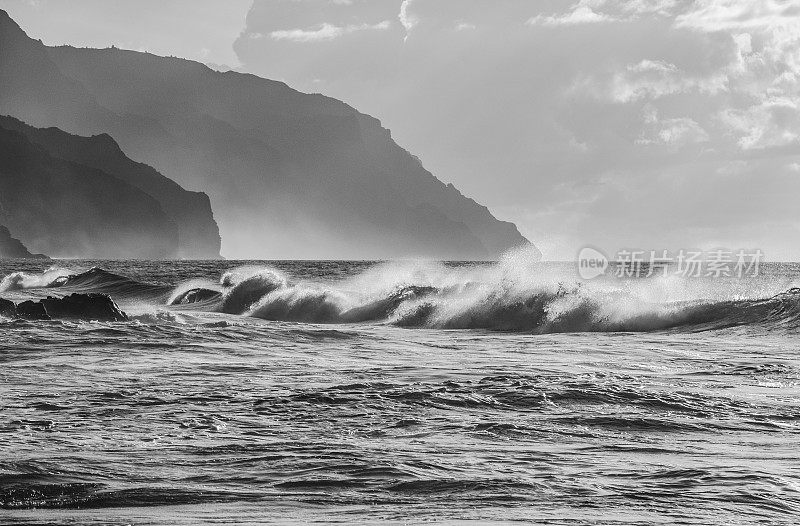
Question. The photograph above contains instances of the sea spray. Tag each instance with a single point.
(516, 294)
(25, 280)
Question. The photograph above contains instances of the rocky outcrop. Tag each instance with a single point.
(198, 233)
(8, 309)
(29, 310)
(66, 209)
(289, 174)
(98, 307)
(11, 248)
(90, 307)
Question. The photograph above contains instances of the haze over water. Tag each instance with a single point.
(410, 391)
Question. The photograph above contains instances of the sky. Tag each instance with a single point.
(636, 124)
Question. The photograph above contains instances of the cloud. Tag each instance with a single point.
(581, 14)
(739, 15)
(765, 72)
(773, 123)
(653, 79)
(675, 132)
(647, 7)
(681, 131)
(324, 32)
(407, 19)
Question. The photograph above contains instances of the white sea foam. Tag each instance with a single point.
(25, 280)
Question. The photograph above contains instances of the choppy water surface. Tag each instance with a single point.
(408, 392)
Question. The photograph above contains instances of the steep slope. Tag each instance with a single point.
(198, 234)
(11, 248)
(66, 209)
(289, 174)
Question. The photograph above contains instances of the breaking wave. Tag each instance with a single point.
(119, 287)
(24, 280)
(513, 295)
(516, 294)
(547, 310)
(94, 280)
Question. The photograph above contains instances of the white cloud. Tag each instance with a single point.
(322, 32)
(773, 123)
(406, 17)
(650, 80)
(674, 132)
(738, 15)
(682, 131)
(581, 14)
(643, 7)
(765, 72)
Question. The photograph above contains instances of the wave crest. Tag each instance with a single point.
(516, 294)
(513, 295)
(244, 287)
(24, 280)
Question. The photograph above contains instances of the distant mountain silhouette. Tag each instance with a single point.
(289, 174)
(66, 209)
(11, 247)
(198, 234)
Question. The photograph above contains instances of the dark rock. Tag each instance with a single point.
(8, 309)
(32, 311)
(79, 306)
(98, 307)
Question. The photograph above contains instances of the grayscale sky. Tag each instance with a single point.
(639, 124)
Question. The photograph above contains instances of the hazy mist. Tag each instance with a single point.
(642, 124)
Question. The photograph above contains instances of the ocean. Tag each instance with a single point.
(400, 392)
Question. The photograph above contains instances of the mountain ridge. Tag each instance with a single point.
(198, 234)
(69, 210)
(289, 174)
(12, 248)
